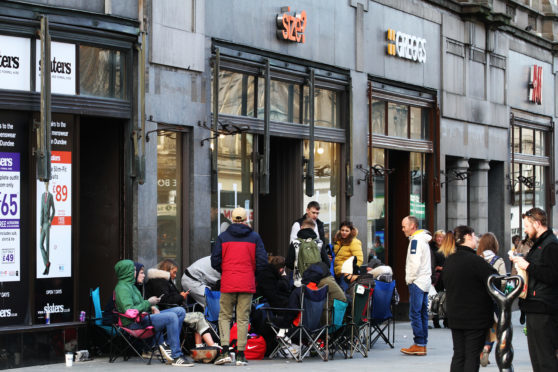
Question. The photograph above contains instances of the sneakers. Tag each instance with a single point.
(484, 357)
(223, 358)
(414, 350)
(166, 352)
(241, 359)
(182, 362)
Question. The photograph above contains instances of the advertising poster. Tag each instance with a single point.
(15, 63)
(13, 210)
(54, 284)
(62, 67)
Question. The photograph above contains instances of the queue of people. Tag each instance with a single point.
(456, 262)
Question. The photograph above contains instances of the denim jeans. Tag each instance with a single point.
(418, 313)
(171, 320)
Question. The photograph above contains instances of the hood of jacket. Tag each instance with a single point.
(315, 272)
(307, 233)
(157, 274)
(124, 270)
(239, 229)
(348, 239)
(423, 235)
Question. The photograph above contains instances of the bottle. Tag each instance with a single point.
(82, 316)
(47, 317)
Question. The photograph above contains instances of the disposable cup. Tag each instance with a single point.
(69, 359)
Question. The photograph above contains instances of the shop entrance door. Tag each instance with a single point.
(100, 243)
(283, 205)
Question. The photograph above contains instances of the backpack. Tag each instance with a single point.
(308, 254)
(494, 259)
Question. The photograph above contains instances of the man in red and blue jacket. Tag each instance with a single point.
(238, 254)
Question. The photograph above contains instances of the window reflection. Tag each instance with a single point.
(102, 72)
(397, 120)
(419, 123)
(418, 187)
(168, 197)
(378, 117)
(326, 182)
(235, 181)
(375, 211)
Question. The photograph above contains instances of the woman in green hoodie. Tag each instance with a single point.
(129, 297)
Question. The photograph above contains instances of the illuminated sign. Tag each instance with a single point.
(406, 46)
(535, 84)
(291, 27)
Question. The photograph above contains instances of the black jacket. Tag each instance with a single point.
(542, 284)
(158, 284)
(305, 234)
(273, 287)
(469, 306)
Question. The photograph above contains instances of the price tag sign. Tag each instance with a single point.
(10, 217)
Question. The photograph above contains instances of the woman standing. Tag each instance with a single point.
(346, 246)
(469, 306)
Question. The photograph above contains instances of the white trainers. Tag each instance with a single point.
(166, 352)
(181, 362)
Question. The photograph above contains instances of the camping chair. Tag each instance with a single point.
(336, 331)
(381, 317)
(310, 332)
(212, 308)
(95, 328)
(357, 327)
(134, 337)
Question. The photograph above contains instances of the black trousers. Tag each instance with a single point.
(542, 339)
(467, 347)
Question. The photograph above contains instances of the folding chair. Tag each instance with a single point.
(134, 336)
(310, 331)
(212, 308)
(336, 340)
(357, 326)
(381, 318)
(95, 326)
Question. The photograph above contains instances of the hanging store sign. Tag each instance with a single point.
(535, 84)
(15, 63)
(291, 27)
(62, 68)
(406, 46)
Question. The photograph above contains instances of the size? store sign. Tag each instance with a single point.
(291, 27)
(406, 46)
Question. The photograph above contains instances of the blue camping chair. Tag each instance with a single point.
(95, 328)
(212, 308)
(336, 331)
(381, 317)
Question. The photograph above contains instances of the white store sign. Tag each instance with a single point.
(15, 63)
(63, 68)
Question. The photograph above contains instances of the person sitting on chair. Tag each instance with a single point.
(127, 297)
(161, 283)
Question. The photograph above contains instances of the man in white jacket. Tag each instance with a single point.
(417, 276)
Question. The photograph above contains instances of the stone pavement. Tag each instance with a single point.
(380, 359)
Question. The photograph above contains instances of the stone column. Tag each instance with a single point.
(478, 196)
(456, 195)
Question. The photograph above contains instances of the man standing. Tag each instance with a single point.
(238, 253)
(312, 211)
(47, 215)
(417, 276)
(541, 303)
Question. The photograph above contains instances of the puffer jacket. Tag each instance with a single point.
(127, 295)
(344, 251)
(238, 253)
(159, 285)
(417, 267)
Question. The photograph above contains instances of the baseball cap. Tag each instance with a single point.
(239, 215)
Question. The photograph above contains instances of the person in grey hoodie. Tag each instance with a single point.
(198, 276)
(418, 277)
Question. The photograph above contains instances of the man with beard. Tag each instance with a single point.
(541, 303)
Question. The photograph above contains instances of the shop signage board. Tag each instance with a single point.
(63, 68)
(535, 84)
(13, 158)
(15, 63)
(54, 287)
(291, 27)
(406, 46)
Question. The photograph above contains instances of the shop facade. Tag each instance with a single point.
(58, 233)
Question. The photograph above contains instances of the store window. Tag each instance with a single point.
(235, 181)
(326, 183)
(404, 121)
(102, 72)
(530, 170)
(418, 187)
(169, 196)
(376, 210)
(289, 101)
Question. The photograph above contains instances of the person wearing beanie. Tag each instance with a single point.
(238, 255)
